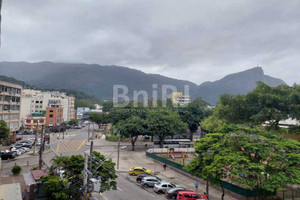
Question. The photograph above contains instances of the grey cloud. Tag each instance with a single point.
(191, 39)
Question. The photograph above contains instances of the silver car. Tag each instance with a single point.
(149, 181)
(163, 186)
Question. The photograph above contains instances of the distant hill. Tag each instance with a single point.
(15, 81)
(238, 83)
(99, 80)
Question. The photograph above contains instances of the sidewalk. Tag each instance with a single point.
(100, 142)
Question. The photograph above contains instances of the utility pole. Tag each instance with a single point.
(207, 188)
(64, 132)
(86, 176)
(118, 160)
(35, 137)
(41, 149)
(89, 133)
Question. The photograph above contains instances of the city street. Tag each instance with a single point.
(75, 142)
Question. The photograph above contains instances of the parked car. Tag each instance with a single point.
(25, 149)
(149, 181)
(190, 195)
(18, 146)
(162, 186)
(29, 142)
(18, 138)
(141, 176)
(77, 127)
(172, 192)
(8, 155)
(138, 170)
(17, 151)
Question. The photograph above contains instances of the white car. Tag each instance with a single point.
(25, 149)
(17, 151)
(163, 186)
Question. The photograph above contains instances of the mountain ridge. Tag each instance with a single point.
(99, 80)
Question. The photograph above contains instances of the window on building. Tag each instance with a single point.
(6, 107)
(15, 107)
(51, 115)
(7, 98)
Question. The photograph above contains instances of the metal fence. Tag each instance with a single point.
(231, 187)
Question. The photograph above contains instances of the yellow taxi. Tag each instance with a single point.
(138, 170)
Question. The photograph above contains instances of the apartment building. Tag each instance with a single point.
(37, 101)
(54, 116)
(179, 99)
(35, 122)
(10, 102)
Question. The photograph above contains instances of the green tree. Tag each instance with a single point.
(106, 171)
(256, 160)
(295, 102)
(132, 128)
(73, 122)
(55, 187)
(84, 103)
(212, 124)
(4, 130)
(162, 124)
(107, 106)
(192, 114)
(263, 104)
(73, 167)
(99, 118)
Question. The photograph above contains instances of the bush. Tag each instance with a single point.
(34, 168)
(112, 138)
(16, 170)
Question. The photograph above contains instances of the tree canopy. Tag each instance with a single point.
(103, 169)
(263, 104)
(4, 130)
(163, 123)
(255, 159)
(193, 113)
(132, 128)
(99, 118)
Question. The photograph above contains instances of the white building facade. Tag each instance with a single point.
(37, 101)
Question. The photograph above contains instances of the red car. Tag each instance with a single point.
(190, 195)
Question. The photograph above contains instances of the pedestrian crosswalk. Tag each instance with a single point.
(70, 145)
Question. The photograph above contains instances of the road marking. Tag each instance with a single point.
(57, 148)
(81, 145)
(103, 196)
(119, 189)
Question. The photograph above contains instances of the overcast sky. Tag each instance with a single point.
(196, 40)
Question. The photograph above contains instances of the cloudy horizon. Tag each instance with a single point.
(191, 40)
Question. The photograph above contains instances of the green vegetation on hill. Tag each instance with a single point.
(82, 99)
(15, 81)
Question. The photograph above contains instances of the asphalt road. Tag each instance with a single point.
(128, 189)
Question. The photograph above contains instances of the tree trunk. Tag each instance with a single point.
(223, 192)
(133, 140)
(192, 135)
(161, 142)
